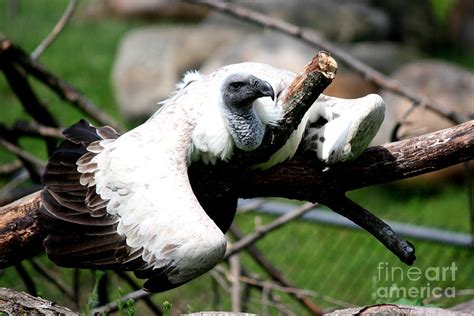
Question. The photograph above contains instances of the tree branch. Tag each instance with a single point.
(375, 226)
(304, 178)
(20, 303)
(135, 286)
(260, 232)
(274, 273)
(35, 166)
(53, 279)
(30, 102)
(10, 167)
(21, 235)
(63, 89)
(36, 130)
(65, 18)
(114, 306)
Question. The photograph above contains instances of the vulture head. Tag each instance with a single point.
(125, 202)
(239, 92)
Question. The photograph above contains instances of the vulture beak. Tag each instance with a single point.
(263, 89)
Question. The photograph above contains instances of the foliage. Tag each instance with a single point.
(93, 296)
(441, 9)
(167, 308)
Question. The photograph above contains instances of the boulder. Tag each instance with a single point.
(445, 83)
(151, 60)
(270, 47)
(386, 57)
(287, 52)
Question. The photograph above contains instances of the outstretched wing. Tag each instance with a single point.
(126, 203)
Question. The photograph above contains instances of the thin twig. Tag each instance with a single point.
(266, 291)
(457, 293)
(62, 88)
(292, 290)
(103, 289)
(403, 249)
(38, 130)
(10, 167)
(18, 193)
(76, 286)
(216, 295)
(38, 163)
(135, 286)
(27, 280)
(114, 306)
(216, 275)
(52, 279)
(235, 271)
(470, 197)
(67, 15)
(260, 232)
(9, 187)
(29, 100)
(34, 166)
(275, 273)
(221, 274)
(314, 39)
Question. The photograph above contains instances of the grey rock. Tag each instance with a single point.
(445, 83)
(150, 61)
(269, 47)
(386, 57)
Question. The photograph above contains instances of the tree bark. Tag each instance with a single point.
(395, 309)
(21, 303)
(304, 178)
(21, 235)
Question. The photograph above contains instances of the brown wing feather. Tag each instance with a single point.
(81, 232)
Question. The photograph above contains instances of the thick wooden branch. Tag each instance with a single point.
(21, 235)
(20, 303)
(396, 309)
(304, 178)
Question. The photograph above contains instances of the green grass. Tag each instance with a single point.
(336, 262)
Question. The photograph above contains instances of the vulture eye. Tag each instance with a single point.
(236, 85)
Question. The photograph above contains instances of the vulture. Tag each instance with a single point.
(124, 202)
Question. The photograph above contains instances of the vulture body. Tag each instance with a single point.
(125, 202)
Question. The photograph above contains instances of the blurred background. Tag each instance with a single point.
(126, 55)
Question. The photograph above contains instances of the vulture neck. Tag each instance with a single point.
(244, 125)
